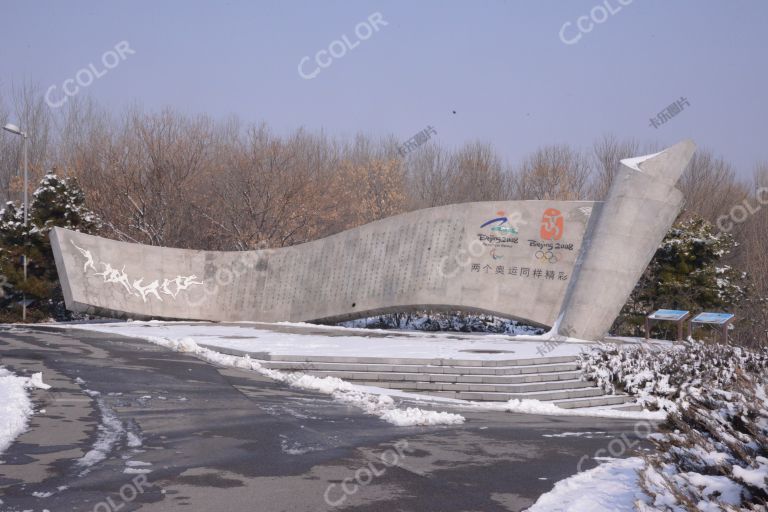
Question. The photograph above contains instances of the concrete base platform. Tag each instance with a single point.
(549, 379)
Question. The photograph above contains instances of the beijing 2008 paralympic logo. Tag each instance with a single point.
(503, 224)
(552, 224)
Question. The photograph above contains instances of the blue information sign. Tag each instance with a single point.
(712, 318)
(668, 314)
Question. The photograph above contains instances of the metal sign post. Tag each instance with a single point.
(667, 315)
(723, 320)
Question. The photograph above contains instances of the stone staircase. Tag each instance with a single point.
(549, 379)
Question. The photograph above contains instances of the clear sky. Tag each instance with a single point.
(502, 66)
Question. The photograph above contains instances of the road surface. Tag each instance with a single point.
(129, 425)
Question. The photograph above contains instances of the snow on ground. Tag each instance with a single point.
(382, 406)
(136, 471)
(136, 463)
(610, 487)
(546, 408)
(588, 435)
(358, 343)
(257, 337)
(15, 405)
(110, 430)
(133, 440)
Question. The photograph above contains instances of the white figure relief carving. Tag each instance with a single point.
(88, 257)
(110, 274)
(150, 289)
(186, 282)
(123, 280)
(164, 288)
(180, 282)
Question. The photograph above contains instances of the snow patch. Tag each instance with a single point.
(136, 471)
(133, 440)
(110, 430)
(575, 434)
(137, 463)
(544, 408)
(413, 416)
(36, 381)
(15, 407)
(610, 487)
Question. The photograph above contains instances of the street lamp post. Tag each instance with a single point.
(17, 131)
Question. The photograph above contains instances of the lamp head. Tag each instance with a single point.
(13, 129)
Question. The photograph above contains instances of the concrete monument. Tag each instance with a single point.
(569, 265)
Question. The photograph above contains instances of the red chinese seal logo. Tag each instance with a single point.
(552, 224)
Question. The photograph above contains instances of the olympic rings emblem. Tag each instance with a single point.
(547, 256)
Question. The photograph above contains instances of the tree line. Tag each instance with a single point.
(192, 181)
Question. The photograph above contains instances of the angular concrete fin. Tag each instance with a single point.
(641, 205)
(667, 165)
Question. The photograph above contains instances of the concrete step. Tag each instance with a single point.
(564, 394)
(599, 401)
(543, 396)
(567, 403)
(473, 363)
(483, 388)
(556, 380)
(454, 378)
(305, 366)
(630, 405)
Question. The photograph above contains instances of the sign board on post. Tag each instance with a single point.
(669, 315)
(674, 315)
(712, 318)
(722, 319)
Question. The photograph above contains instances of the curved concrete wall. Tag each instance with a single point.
(516, 259)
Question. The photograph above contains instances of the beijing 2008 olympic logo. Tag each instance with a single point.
(552, 224)
(547, 256)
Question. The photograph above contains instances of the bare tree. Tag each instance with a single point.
(554, 172)
(479, 175)
(474, 172)
(430, 176)
(28, 110)
(607, 154)
(262, 194)
(709, 186)
(35, 118)
(753, 245)
(9, 158)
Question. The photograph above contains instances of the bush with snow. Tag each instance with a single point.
(712, 452)
(660, 375)
(451, 322)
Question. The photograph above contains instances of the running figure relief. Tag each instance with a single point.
(168, 287)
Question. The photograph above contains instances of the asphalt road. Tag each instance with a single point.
(177, 433)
